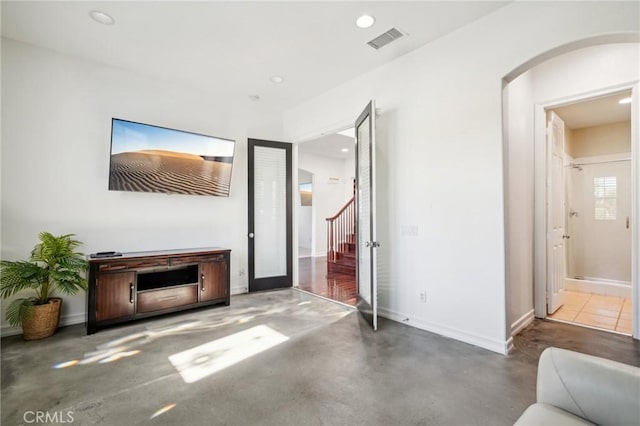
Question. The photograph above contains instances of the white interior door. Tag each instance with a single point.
(367, 297)
(556, 219)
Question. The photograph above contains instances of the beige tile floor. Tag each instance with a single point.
(594, 310)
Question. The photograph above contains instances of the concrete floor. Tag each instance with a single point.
(328, 369)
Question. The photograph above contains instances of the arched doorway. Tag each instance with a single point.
(583, 70)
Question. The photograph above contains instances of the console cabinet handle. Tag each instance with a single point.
(131, 293)
(202, 282)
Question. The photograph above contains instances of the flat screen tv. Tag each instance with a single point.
(148, 158)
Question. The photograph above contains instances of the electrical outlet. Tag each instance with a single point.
(423, 297)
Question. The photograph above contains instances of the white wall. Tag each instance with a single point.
(305, 214)
(613, 138)
(569, 75)
(350, 176)
(56, 124)
(580, 71)
(440, 160)
(519, 202)
(305, 227)
(329, 183)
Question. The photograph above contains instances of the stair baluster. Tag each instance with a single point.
(341, 230)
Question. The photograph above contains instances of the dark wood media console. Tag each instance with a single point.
(144, 284)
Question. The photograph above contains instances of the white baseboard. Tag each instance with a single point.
(72, 319)
(500, 347)
(7, 330)
(239, 290)
(604, 288)
(509, 346)
(522, 322)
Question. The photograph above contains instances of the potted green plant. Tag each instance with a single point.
(54, 265)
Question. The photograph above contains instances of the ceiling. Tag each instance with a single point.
(329, 146)
(231, 49)
(595, 112)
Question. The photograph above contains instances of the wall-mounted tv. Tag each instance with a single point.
(148, 158)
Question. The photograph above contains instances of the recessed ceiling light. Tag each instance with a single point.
(102, 17)
(625, 101)
(345, 149)
(365, 21)
(277, 79)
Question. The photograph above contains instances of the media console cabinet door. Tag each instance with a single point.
(115, 295)
(213, 280)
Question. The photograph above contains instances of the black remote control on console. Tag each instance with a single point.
(105, 254)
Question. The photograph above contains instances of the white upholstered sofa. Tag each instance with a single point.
(579, 389)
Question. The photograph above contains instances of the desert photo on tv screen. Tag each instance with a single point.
(148, 158)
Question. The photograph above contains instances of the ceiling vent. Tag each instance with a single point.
(385, 38)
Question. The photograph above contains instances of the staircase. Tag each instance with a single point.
(341, 240)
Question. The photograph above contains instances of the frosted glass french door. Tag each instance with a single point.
(367, 290)
(270, 229)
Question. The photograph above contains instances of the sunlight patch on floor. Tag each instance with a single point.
(162, 410)
(201, 361)
(66, 364)
(118, 356)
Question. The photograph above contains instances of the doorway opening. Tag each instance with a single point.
(540, 263)
(589, 211)
(326, 217)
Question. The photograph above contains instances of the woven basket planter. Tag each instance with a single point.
(44, 321)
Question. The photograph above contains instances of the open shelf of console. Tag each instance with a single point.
(144, 284)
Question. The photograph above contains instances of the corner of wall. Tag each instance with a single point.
(521, 323)
(508, 347)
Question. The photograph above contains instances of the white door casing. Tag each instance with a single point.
(541, 187)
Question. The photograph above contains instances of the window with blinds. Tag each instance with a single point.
(604, 195)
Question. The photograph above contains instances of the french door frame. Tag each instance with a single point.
(283, 281)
